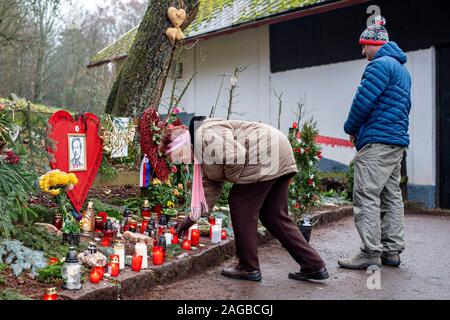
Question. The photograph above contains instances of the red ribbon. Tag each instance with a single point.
(334, 142)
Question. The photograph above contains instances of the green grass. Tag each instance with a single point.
(12, 294)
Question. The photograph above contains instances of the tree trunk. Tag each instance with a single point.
(141, 80)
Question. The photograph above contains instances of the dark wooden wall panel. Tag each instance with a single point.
(333, 36)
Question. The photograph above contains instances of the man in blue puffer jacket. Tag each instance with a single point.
(378, 125)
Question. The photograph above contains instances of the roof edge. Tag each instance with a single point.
(317, 8)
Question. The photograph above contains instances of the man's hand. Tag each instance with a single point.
(183, 226)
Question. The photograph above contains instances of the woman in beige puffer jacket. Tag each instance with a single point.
(259, 161)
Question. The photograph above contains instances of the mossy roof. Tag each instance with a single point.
(213, 15)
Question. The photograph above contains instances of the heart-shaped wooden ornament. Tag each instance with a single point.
(78, 149)
(172, 33)
(176, 16)
(180, 35)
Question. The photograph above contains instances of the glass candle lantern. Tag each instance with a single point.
(88, 221)
(114, 266)
(136, 263)
(195, 237)
(224, 234)
(57, 221)
(109, 230)
(158, 256)
(186, 245)
(175, 239)
(119, 250)
(71, 271)
(212, 220)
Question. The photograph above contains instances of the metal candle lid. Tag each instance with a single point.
(146, 204)
(92, 248)
(50, 291)
(71, 256)
(114, 260)
(119, 243)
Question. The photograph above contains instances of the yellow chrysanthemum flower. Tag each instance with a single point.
(156, 181)
(73, 179)
(170, 204)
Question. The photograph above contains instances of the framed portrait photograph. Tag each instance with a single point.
(77, 152)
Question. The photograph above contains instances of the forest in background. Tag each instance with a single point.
(45, 46)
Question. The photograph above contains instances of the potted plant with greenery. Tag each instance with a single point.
(71, 232)
(304, 188)
(169, 213)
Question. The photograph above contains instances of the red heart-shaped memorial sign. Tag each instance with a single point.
(78, 149)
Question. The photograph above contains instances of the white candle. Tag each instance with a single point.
(168, 236)
(119, 249)
(219, 222)
(141, 250)
(216, 236)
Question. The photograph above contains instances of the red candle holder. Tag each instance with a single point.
(100, 271)
(132, 225)
(114, 265)
(212, 220)
(160, 230)
(172, 230)
(109, 234)
(136, 263)
(158, 257)
(186, 245)
(224, 234)
(195, 237)
(99, 225)
(106, 242)
(146, 212)
(144, 224)
(95, 276)
(52, 261)
(294, 125)
(175, 239)
(50, 294)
